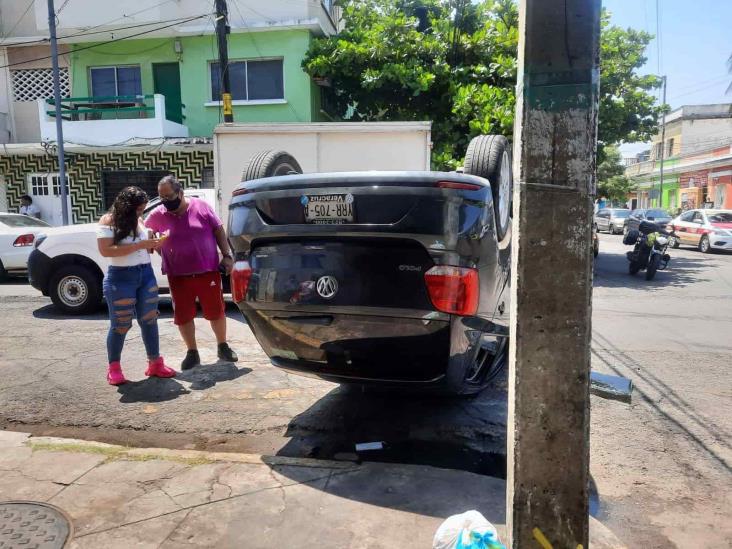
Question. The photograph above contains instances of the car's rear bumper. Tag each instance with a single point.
(39, 269)
(16, 259)
(357, 347)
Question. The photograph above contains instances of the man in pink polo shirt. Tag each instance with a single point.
(191, 261)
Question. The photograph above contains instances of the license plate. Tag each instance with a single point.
(328, 209)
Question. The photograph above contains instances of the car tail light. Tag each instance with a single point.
(24, 240)
(453, 290)
(240, 275)
(459, 186)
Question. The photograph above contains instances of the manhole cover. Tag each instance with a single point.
(32, 526)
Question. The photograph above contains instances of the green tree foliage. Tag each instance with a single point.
(611, 181)
(454, 62)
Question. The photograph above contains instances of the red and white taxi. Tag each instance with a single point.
(706, 229)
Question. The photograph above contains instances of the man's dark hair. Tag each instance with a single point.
(27, 197)
(173, 182)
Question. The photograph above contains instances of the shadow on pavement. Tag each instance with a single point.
(154, 389)
(611, 271)
(457, 435)
(50, 312)
(416, 428)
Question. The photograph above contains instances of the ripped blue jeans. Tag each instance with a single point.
(132, 292)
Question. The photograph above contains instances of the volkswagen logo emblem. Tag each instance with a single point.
(327, 286)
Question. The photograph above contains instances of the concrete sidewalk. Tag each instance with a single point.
(119, 497)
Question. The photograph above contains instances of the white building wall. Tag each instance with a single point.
(698, 135)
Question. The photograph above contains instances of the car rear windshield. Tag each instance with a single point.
(621, 213)
(722, 217)
(22, 221)
(656, 213)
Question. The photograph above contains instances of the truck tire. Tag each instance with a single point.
(489, 156)
(75, 290)
(270, 164)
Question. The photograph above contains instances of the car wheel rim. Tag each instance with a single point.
(284, 169)
(705, 245)
(72, 291)
(504, 191)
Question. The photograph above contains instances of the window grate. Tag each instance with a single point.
(33, 84)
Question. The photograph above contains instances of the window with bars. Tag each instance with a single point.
(33, 84)
(207, 178)
(46, 184)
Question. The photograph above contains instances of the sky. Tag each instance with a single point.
(694, 42)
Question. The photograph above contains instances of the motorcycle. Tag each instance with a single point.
(649, 243)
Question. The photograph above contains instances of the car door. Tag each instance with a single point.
(682, 227)
(601, 219)
(697, 227)
(635, 218)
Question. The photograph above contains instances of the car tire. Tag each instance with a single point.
(76, 290)
(489, 156)
(270, 164)
(704, 246)
(625, 229)
(673, 242)
(3, 273)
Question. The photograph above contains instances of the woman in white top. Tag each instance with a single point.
(129, 285)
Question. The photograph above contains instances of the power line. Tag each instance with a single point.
(256, 46)
(104, 43)
(19, 20)
(43, 40)
(124, 16)
(699, 88)
(66, 2)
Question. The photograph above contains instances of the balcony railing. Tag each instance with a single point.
(109, 120)
(116, 107)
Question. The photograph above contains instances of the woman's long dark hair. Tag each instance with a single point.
(124, 212)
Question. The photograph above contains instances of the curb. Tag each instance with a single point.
(191, 456)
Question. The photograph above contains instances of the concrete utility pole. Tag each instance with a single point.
(222, 29)
(663, 145)
(59, 120)
(551, 285)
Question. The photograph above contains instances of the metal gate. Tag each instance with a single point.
(114, 181)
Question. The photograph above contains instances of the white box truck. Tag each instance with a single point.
(320, 147)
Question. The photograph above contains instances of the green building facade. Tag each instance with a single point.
(268, 83)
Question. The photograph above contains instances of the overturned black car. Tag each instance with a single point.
(392, 278)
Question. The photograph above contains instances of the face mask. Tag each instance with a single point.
(172, 205)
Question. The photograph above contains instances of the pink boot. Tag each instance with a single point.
(157, 368)
(115, 375)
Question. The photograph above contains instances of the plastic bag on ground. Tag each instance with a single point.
(470, 530)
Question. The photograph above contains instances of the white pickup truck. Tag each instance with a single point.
(67, 266)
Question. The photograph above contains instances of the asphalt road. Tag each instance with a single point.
(661, 465)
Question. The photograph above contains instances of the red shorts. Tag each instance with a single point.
(206, 287)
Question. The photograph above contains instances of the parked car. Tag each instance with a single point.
(611, 220)
(708, 230)
(17, 234)
(67, 266)
(390, 278)
(656, 215)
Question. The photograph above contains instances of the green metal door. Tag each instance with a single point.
(166, 80)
